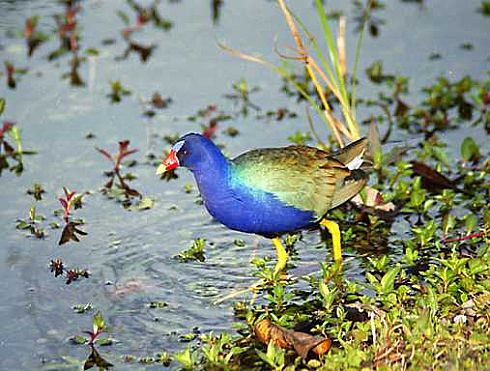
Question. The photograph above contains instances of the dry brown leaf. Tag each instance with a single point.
(301, 342)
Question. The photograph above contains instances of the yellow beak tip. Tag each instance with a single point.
(161, 169)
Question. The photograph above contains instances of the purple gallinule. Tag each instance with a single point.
(272, 191)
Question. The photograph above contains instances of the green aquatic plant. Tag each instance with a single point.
(195, 252)
(32, 224)
(117, 91)
(11, 152)
(36, 191)
(323, 68)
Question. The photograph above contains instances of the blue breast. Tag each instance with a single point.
(255, 211)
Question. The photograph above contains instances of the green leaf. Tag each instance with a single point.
(2, 105)
(98, 323)
(92, 51)
(145, 203)
(470, 150)
(82, 308)
(32, 213)
(22, 224)
(186, 358)
(104, 341)
(372, 280)
(471, 221)
(123, 16)
(14, 133)
(79, 340)
(388, 280)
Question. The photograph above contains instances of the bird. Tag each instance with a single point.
(272, 191)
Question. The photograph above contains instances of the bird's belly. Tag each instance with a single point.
(264, 215)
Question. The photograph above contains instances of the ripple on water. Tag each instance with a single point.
(141, 265)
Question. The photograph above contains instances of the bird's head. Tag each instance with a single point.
(191, 151)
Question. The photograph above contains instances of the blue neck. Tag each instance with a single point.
(212, 174)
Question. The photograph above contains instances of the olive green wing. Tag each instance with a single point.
(303, 177)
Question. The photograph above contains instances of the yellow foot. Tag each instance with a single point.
(334, 230)
(282, 256)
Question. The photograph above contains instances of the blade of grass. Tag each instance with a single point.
(285, 74)
(336, 78)
(357, 58)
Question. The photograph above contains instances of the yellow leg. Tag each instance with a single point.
(334, 230)
(282, 255)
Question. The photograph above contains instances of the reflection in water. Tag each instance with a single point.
(95, 359)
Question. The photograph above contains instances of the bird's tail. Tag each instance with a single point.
(351, 155)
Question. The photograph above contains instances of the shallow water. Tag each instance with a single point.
(131, 254)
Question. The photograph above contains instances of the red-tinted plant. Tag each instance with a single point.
(33, 38)
(67, 203)
(122, 153)
(122, 188)
(57, 267)
(98, 328)
(71, 232)
(210, 130)
(7, 125)
(9, 72)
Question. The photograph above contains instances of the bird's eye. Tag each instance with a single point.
(186, 152)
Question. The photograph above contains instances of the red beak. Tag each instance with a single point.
(170, 163)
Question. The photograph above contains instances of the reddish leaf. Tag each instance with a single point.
(56, 267)
(64, 203)
(105, 153)
(432, 180)
(7, 125)
(69, 195)
(209, 131)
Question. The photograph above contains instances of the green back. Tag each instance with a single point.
(303, 177)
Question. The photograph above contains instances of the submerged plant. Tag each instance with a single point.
(36, 191)
(241, 95)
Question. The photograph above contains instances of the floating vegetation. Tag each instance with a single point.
(94, 338)
(12, 73)
(117, 187)
(195, 252)
(73, 274)
(11, 151)
(32, 224)
(36, 191)
(34, 38)
(241, 96)
(71, 231)
(117, 92)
